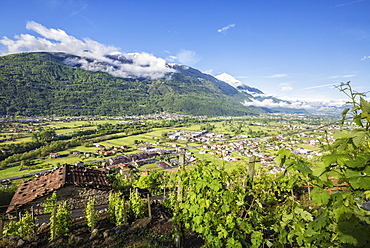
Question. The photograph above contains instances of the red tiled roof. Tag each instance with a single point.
(45, 184)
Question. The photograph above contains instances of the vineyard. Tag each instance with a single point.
(325, 204)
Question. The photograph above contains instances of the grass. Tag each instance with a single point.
(149, 167)
(15, 171)
(16, 141)
(150, 137)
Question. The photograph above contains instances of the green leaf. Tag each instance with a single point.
(344, 134)
(304, 214)
(256, 239)
(364, 105)
(357, 120)
(286, 218)
(282, 155)
(215, 185)
(358, 136)
(320, 222)
(225, 208)
(359, 162)
(358, 179)
(344, 113)
(319, 169)
(304, 169)
(320, 196)
(340, 159)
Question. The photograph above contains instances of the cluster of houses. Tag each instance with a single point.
(199, 136)
(163, 116)
(256, 147)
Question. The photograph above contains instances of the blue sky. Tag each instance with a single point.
(287, 48)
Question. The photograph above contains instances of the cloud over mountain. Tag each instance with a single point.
(229, 79)
(57, 40)
(310, 104)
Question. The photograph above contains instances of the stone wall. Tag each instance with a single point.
(76, 197)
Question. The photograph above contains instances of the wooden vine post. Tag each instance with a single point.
(1, 227)
(180, 238)
(92, 209)
(54, 226)
(149, 207)
(251, 166)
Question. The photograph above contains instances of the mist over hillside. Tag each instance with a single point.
(42, 84)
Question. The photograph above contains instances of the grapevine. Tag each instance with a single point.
(22, 228)
(91, 214)
(118, 209)
(137, 204)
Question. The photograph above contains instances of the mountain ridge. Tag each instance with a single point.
(40, 83)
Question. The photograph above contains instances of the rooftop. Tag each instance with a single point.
(57, 178)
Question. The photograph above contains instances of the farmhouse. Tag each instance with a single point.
(54, 155)
(73, 184)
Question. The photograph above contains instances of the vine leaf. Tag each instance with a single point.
(320, 196)
(359, 179)
(364, 105)
(358, 136)
(304, 214)
(359, 162)
(340, 159)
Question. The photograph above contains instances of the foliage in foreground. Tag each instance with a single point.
(240, 211)
(22, 228)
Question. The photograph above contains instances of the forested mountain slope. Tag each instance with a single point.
(41, 84)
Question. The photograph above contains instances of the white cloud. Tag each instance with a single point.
(286, 88)
(171, 58)
(365, 57)
(224, 29)
(342, 76)
(208, 71)
(318, 86)
(187, 57)
(348, 3)
(227, 78)
(313, 104)
(277, 76)
(57, 40)
(79, 11)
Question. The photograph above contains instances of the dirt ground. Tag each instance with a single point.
(147, 232)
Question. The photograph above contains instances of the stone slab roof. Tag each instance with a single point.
(55, 179)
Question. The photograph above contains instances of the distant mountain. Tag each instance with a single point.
(64, 84)
(250, 91)
(259, 99)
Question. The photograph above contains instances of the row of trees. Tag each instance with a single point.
(45, 141)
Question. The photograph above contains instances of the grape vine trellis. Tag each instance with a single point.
(265, 210)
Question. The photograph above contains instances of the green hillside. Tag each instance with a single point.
(41, 84)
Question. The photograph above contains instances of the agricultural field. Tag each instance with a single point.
(233, 130)
(236, 168)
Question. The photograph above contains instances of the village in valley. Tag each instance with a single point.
(78, 157)
(252, 139)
